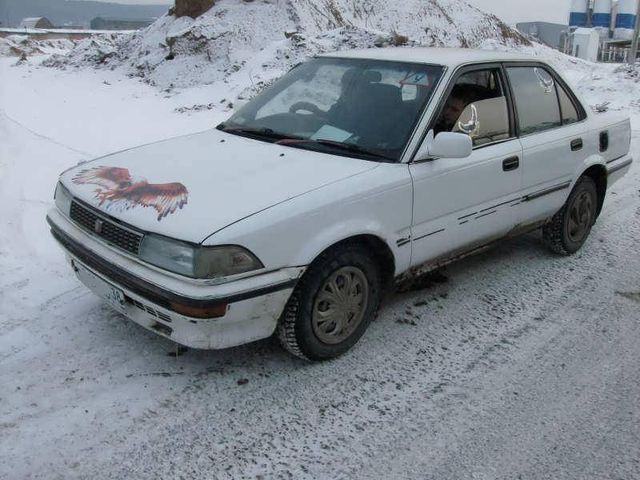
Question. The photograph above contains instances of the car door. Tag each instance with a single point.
(552, 136)
(462, 203)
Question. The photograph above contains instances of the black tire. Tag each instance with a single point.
(296, 330)
(560, 234)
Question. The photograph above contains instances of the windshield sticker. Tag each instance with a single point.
(419, 79)
(328, 132)
(117, 190)
(546, 80)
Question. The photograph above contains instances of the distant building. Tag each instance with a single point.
(36, 22)
(104, 23)
(553, 35)
(613, 23)
(615, 51)
(586, 44)
(71, 27)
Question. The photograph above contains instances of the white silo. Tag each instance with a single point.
(625, 19)
(601, 17)
(578, 13)
(602, 14)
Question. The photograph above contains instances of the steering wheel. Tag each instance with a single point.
(305, 106)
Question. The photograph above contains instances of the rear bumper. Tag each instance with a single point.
(253, 305)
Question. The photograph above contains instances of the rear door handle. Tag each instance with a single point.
(576, 145)
(510, 164)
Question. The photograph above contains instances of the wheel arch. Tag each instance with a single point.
(598, 173)
(375, 246)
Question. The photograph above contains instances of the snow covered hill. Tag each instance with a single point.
(264, 38)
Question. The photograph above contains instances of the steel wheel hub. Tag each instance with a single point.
(340, 305)
(580, 217)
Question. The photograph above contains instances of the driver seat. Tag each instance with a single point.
(370, 111)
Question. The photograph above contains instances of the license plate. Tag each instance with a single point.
(112, 295)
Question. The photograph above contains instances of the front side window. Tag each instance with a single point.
(536, 99)
(351, 107)
(478, 107)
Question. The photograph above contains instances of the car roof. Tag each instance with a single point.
(450, 57)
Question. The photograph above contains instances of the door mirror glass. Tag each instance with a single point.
(445, 145)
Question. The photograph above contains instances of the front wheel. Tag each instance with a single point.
(569, 229)
(332, 305)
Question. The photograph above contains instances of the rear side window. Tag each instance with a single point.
(567, 107)
(536, 99)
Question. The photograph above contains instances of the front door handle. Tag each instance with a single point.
(576, 145)
(510, 164)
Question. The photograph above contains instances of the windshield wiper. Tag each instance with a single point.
(294, 140)
(261, 132)
(347, 147)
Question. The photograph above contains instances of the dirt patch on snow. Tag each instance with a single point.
(191, 8)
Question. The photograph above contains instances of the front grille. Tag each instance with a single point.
(110, 231)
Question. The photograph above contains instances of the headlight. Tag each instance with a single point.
(195, 261)
(63, 199)
(213, 262)
(174, 256)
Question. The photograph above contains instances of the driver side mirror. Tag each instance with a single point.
(445, 145)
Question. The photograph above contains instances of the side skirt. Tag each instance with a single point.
(411, 275)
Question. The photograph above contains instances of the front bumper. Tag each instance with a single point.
(145, 294)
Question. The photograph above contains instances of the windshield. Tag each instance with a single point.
(352, 107)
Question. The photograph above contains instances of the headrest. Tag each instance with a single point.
(485, 118)
(382, 93)
(371, 76)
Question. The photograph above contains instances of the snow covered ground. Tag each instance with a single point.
(520, 365)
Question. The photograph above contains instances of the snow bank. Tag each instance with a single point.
(239, 47)
(23, 45)
(266, 38)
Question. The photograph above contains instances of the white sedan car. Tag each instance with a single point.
(353, 171)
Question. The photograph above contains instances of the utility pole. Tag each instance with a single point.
(633, 54)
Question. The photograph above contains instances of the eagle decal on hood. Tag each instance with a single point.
(119, 191)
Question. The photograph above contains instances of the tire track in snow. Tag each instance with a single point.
(44, 137)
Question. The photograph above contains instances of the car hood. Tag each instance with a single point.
(190, 187)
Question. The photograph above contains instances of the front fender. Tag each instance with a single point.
(339, 232)
(294, 233)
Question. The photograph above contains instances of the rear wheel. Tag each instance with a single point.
(332, 305)
(569, 229)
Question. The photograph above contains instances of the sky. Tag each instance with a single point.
(511, 11)
(140, 2)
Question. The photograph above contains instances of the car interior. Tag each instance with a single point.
(476, 106)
